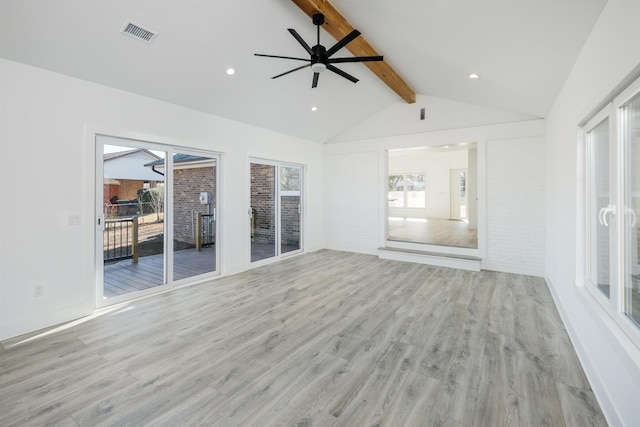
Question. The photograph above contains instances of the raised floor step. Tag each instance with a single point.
(465, 262)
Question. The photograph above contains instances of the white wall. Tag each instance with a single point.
(515, 208)
(401, 118)
(352, 201)
(360, 164)
(611, 363)
(47, 168)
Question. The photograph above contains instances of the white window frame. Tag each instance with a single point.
(614, 305)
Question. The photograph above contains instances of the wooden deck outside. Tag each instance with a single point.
(124, 276)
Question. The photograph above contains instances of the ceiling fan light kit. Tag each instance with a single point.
(318, 67)
(320, 58)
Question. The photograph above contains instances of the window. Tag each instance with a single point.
(630, 138)
(599, 202)
(407, 190)
(289, 181)
(613, 202)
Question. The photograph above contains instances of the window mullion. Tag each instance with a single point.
(618, 171)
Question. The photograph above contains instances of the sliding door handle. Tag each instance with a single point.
(630, 215)
(602, 215)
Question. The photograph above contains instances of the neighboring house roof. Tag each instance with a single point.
(111, 156)
(130, 164)
(180, 158)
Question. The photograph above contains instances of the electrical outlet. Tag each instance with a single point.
(38, 291)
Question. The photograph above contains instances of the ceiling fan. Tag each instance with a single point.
(320, 57)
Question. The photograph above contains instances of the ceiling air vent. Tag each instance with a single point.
(138, 32)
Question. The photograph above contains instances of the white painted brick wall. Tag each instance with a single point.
(515, 206)
(515, 173)
(351, 201)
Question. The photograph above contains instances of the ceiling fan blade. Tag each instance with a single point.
(291, 71)
(282, 57)
(304, 44)
(342, 43)
(315, 80)
(341, 73)
(355, 59)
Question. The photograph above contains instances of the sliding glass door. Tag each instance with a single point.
(263, 211)
(156, 219)
(276, 209)
(131, 219)
(194, 214)
(290, 208)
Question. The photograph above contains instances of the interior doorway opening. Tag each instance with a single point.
(432, 196)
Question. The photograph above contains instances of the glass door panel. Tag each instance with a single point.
(290, 208)
(194, 215)
(132, 234)
(631, 143)
(263, 211)
(601, 212)
(458, 194)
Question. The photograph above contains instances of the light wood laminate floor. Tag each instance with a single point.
(323, 339)
(433, 231)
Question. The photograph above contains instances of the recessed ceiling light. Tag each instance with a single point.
(445, 146)
(230, 71)
(314, 108)
(474, 76)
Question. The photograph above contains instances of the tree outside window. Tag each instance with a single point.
(407, 190)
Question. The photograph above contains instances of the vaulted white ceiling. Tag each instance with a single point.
(522, 50)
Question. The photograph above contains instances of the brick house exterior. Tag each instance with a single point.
(189, 180)
(263, 203)
(290, 220)
(192, 176)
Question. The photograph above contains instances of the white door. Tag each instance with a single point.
(458, 194)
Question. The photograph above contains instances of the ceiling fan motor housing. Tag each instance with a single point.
(319, 55)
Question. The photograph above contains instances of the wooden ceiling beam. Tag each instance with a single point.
(336, 25)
